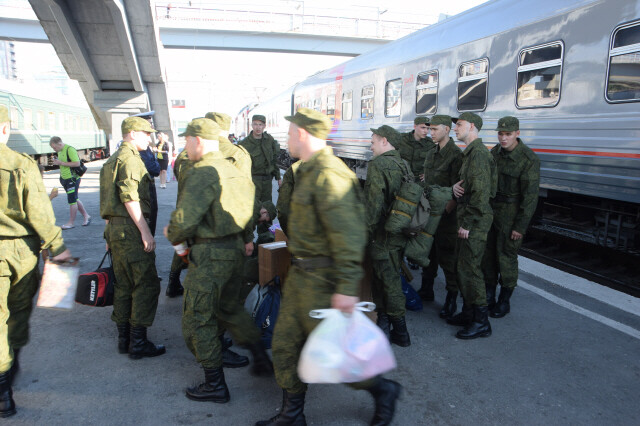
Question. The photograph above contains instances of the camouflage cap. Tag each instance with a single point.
(314, 122)
(471, 118)
(421, 120)
(392, 135)
(221, 119)
(136, 124)
(259, 117)
(271, 209)
(203, 127)
(445, 120)
(508, 124)
(4, 114)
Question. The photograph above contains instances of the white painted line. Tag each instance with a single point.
(596, 291)
(587, 313)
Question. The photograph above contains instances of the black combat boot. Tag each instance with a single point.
(503, 307)
(262, 365)
(399, 332)
(213, 389)
(464, 318)
(174, 288)
(385, 393)
(383, 323)
(450, 305)
(479, 327)
(124, 331)
(291, 412)
(230, 359)
(226, 342)
(426, 291)
(491, 296)
(7, 406)
(140, 347)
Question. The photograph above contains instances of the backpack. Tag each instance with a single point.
(410, 210)
(263, 303)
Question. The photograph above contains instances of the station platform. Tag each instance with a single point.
(566, 354)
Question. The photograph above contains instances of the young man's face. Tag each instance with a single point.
(508, 140)
(421, 130)
(439, 133)
(462, 130)
(257, 127)
(293, 141)
(377, 144)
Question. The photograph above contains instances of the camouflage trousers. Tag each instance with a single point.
(386, 287)
(19, 280)
(137, 286)
(500, 261)
(212, 303)
(264, 188)
(469, 254)
(443, 252)
(302, 292)
(177, 264)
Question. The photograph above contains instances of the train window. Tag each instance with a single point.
(317, 104)
(472, 85)
(427, 92)
(366, 102)
(331, 104)
(347, 105)
(15, 118)
(61, 121)
(539, 76)
(40, 120)
(28, 119)
(393, 98)
(623, 79)
(51, 118)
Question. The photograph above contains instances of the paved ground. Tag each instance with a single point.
(568, 354)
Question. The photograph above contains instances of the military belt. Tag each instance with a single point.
(262, 177)
(120, 220)
(504, 199)
(224, 242)
(311, 263)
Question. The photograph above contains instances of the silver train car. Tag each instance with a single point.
(568, 69)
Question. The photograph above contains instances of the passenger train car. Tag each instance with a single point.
(568, 69)
(36, 118)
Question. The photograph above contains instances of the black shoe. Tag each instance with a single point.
(124, 331)
(291, 412)
(426, 291)
(230, 359)
(7, 406)
(383, 323)
(140, 347)
(385, 393)
(399, 332)
(450, 305)
(479, 327)
(464, 318)
(15, 367)
(491, 296)
(262, 365)
(503, 307)
(174, 288)
(213, 389)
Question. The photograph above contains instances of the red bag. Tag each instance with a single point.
(96, 288)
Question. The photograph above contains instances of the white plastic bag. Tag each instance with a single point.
(345, 348)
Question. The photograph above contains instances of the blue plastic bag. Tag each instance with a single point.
(413, 300)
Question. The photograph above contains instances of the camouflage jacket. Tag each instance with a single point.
(264, 154)
(25, 209)
(238, 155)
(518, 182)
(180, 167)
(327, 219)
(479, 173)
(124, 178)
(205, 209)
(414, 152)
(442, 166)
(284, 194)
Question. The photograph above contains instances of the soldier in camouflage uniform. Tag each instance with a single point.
(513, 207)
(327, 243)
(479, 177)
(264, 152)
(441, 167)
(27, 226)
(284, 195)
(214, 208)
(384, 178)
(174, 288)
(125, 205)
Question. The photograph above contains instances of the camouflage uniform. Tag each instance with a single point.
(513, 207)
(264, 163)
(384, 178)
(326, 221)
(27, 225)
(414, 152)
(441, 167)
(124, 178)
(284, 195)
(474, 214)
(180, 167)
(214, 220)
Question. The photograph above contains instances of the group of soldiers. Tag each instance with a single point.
(224, 191)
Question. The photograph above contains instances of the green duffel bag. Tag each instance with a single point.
(418, 248)
(403, 208)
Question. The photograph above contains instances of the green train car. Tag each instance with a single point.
(35, 120)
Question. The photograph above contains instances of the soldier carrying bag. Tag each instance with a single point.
(96, 288)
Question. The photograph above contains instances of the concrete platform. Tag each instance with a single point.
(567, 354)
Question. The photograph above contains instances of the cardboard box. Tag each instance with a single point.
(280, 235)
(273, 259)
